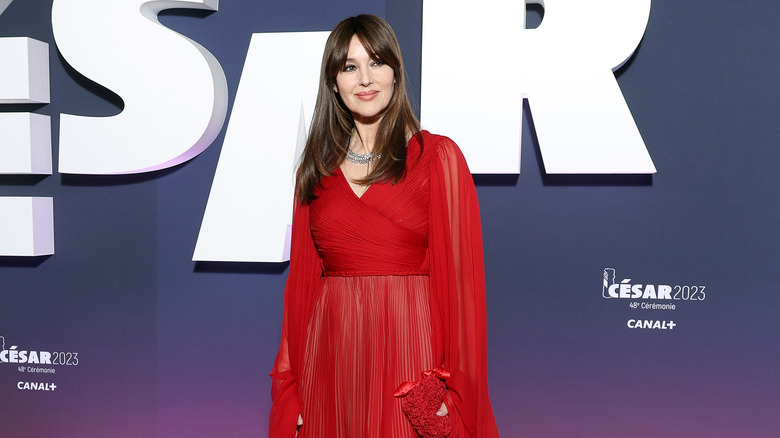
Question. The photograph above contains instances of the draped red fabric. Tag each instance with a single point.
(458, 292)
(304, 273)
(380, 289)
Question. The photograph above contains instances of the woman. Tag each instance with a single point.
(386, 276)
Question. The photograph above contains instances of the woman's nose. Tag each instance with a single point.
(365, 77)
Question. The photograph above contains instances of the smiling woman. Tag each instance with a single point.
(334, 126)
(365, 85)
(386, 287)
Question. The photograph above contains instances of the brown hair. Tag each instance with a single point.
(332, 123)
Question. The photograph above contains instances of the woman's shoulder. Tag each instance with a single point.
(442, 147)
(440, 144)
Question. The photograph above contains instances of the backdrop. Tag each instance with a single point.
(151, 344)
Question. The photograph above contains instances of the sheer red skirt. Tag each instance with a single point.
(367, 335)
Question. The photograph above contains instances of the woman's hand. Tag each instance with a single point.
(300, 423)
(441, 412)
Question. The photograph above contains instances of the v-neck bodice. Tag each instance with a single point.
(340, 171)
(382, 232)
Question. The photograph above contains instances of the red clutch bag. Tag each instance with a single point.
(421, 400)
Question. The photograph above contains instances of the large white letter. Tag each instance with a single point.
(4, 4)
(25, 138)
(26, 223)
(478, 62)
(174, 90)
(26, 226)
(250, 205)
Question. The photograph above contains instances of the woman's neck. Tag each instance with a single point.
(364, 137)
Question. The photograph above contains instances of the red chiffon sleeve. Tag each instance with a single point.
(305, 270)
(458, 291)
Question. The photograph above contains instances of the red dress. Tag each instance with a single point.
(381, 288)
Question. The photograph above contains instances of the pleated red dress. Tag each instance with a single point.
(381, 288)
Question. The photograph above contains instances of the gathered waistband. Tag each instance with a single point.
(372, 273)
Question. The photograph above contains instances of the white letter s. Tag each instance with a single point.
(174, 90)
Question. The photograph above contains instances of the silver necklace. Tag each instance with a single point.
(361, 158)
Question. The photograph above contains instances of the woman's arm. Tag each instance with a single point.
(305, 270)
(458, 291)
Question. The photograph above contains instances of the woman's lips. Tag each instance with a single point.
(367, 95)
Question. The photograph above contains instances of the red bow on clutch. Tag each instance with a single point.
(421, 400)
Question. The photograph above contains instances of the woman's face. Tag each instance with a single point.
(364, 84)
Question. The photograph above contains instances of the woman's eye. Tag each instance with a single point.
(378, 63)
(349, 67)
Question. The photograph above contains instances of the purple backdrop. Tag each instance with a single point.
(171, 348)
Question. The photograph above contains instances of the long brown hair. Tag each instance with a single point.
(332, 122)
